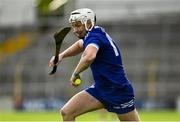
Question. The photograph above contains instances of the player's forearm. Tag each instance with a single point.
(83, 64)
(87, 58)
(72, 50)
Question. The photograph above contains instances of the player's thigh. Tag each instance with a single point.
(130, 116)
(81, 103)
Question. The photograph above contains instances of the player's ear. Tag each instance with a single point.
(89, 24)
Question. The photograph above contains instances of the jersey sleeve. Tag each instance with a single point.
(94, 45)
(92, 41)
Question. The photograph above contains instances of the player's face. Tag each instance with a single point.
(79, 29)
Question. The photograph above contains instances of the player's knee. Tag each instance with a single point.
(62, 112)
(65, 114)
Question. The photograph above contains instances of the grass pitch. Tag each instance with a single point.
(92, 116)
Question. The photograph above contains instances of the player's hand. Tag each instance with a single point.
(73, 79)
(51, 62)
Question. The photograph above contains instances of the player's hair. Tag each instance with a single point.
(83, 15)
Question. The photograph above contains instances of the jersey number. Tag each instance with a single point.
(112, 44)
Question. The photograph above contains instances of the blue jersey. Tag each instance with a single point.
(107, 67)
(111, 87)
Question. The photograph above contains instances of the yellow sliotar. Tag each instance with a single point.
(77, 81)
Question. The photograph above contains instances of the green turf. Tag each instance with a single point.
(92, 116)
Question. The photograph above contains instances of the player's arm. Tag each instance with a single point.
(86, 60)
(73, 50)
